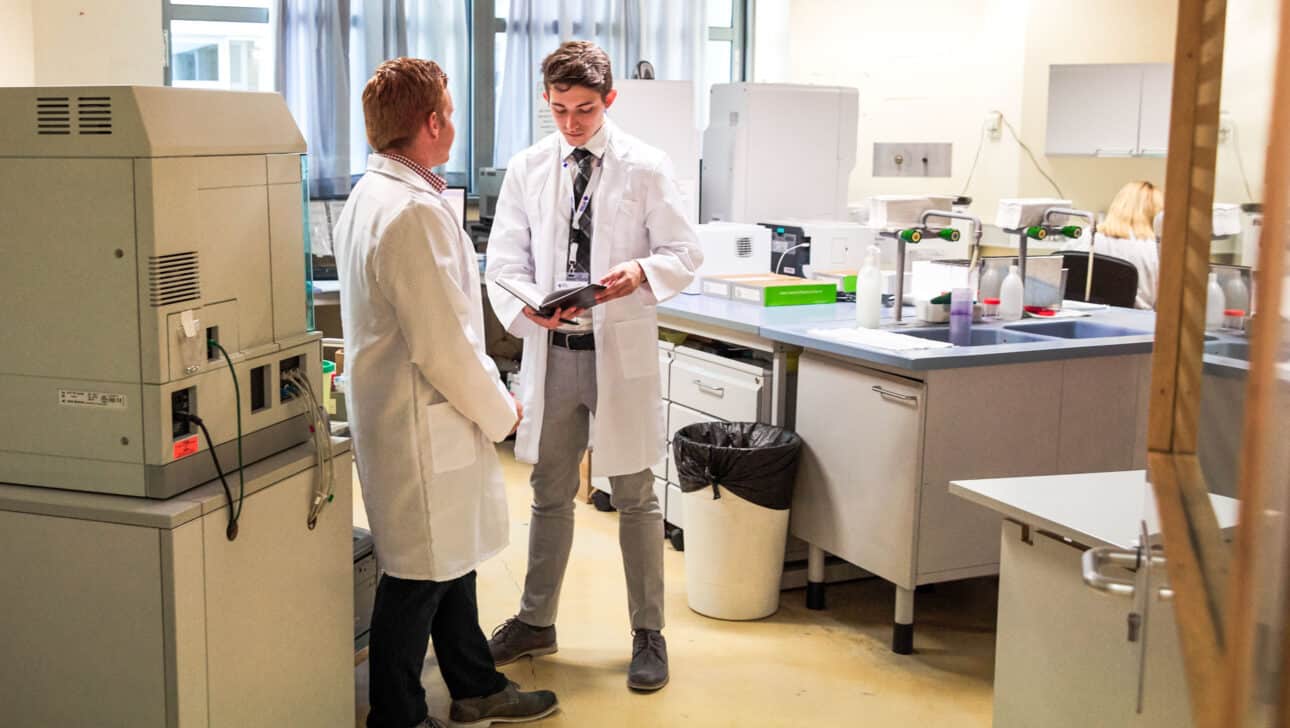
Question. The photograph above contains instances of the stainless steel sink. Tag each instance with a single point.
(1077, 330)
(1229, 349)
(979, 337)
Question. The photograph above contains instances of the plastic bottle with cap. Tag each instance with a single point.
(869, 291)
(991, 281)
(1215, 303)
(1011, 296)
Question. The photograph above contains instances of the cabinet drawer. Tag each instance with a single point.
(728, 392)
(678, 417)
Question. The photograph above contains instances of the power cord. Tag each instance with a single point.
(231, 530)
(237, 406)
(981, 144)
(1240, 162)
(320, 427)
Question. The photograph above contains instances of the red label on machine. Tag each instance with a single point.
(186, 447)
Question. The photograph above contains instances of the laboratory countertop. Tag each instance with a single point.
(794, 325)
(1094, 509)
(164, 514)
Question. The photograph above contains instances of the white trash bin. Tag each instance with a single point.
(734, 555)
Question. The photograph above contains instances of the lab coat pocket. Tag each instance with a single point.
(454, 440)
(627, 228)
(637, 347)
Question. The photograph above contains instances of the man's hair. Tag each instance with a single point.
(397, 99)
(578, 63)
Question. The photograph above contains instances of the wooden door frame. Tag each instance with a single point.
(1215, 590)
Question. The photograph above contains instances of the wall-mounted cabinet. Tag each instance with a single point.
(1109, 109)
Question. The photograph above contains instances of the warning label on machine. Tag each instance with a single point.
(106, 400)
(186, 447)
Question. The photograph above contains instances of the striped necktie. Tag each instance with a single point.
(580, 228)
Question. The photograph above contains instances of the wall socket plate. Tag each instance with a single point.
(912, 159)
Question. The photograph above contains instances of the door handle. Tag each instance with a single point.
(1095, 558)
(709, 389)
(894, 395)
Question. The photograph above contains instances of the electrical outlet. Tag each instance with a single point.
(994, 125)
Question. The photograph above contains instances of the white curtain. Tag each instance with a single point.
(313, 77)
(439, 30)
(668, 33)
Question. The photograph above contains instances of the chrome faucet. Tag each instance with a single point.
(1066, 230)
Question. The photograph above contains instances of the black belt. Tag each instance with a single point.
(574, 342)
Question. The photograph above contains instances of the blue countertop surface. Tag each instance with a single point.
(793, 325)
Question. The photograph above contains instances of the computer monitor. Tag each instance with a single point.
(456, 196)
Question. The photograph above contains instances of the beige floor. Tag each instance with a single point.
(797, 668)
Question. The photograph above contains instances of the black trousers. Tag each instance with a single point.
(406, 616)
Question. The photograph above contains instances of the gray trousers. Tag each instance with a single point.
(570, 402)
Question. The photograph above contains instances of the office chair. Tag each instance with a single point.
(1115, 280)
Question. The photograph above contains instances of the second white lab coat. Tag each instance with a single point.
(1143, 254)
(425, 402)
(637, 215)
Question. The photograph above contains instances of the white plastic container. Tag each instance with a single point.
(1011, 296)
(991, 281)
(734, 555)
(1215, 304)
(869, 291)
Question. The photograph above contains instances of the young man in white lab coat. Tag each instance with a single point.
(426, 406)
(590, 204)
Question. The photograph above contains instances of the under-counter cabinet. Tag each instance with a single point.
(881, 445)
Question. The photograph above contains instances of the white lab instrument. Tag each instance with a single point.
(869, 291)
(661, 114)
(821, 244)
(778, 150)
(1011, 295)
(143, 222)
(904, 210)
(1016, 213)
(731, 248)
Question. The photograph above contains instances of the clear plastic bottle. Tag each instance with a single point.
(991, 281)
(869, 291)
(1215, 304)
(1011, 296)
(1235, 293)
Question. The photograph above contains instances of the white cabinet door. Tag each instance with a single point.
(1093, 109)
(1157, 99)
(857, 487)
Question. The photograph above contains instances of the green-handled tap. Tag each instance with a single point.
(1070, 231)
(1036, 232)
(910, 235)
(950, 234)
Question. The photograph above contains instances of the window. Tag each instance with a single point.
(224, 46)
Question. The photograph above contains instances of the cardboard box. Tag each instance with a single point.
(783, 291)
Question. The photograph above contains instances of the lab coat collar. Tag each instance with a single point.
(391, 168)
(597, 144)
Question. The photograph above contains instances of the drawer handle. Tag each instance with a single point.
(894, 395)
(709, 389)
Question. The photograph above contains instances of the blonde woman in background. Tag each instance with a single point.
(1128, 233)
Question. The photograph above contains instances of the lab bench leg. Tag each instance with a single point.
(902, 632)
(814, 577)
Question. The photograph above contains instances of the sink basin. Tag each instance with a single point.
(980, 337)
(1077, 330)
(1230, 349)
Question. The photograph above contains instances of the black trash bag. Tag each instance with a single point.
(754, 461)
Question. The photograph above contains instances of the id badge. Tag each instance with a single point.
(573, 280)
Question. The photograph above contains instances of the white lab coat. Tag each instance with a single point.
(1143, 254)
(425, 402)
(637, 215)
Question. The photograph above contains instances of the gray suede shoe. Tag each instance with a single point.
(514, 639)
(649, 660)
(506, 706)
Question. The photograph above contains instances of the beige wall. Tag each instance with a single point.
(16, 61)
(927, 71)
(1088, 31)
(930, 70)
(100, 42)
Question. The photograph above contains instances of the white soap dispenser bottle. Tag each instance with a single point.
(1011, 296)
(869, 291)
(1215, 303)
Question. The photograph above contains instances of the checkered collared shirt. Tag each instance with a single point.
(437, 183)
